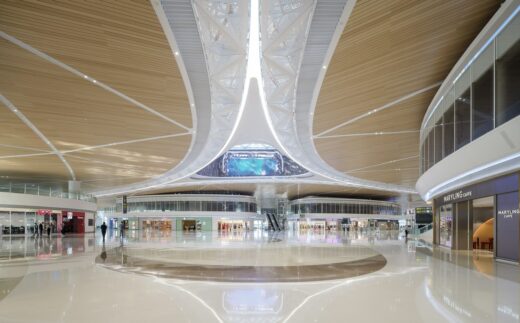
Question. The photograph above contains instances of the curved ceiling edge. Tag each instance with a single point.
(202, 57)
(293, 126)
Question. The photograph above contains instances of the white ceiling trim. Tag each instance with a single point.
(74, 71)
(377, 133)
(299, 39)
(97, 146)
(29, 124)
(385, 163)
(383, 107)
(205, 46)
(292, 120)
(24, 148)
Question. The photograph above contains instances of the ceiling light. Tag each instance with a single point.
(324, 67)
(176, 53)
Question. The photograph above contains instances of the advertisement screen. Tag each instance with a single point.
(252, 166)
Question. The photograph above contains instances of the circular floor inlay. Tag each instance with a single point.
(288, 264)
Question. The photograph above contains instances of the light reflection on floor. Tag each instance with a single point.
(58, 280)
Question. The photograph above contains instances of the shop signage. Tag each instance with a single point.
(508, 214)
(423, 215)
(460, 195)
(504, 184)
(44, 212)
(507, 227)
(424, 209)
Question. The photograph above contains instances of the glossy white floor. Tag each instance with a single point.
(58, 280)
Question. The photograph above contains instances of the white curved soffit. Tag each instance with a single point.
(292, 82)
(241, 92)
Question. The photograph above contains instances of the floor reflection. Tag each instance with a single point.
(17, 247)
(59, 280)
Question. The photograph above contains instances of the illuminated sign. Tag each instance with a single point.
(457, 196)
(508, 214)
(427, 209)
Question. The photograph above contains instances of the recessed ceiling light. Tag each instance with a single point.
(176, 53)
(324, 67)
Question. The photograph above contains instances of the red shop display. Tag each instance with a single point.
(73, 222)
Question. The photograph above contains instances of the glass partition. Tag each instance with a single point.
(508, 73)
(449, 129)
(485, 95)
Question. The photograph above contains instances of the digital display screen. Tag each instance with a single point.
(249, 161)
(252, 166)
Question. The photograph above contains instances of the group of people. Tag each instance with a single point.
(43, 227)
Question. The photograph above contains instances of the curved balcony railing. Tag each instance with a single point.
(43, 190)
(481, 93)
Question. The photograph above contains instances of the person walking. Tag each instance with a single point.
(40, 229)
(103, 231)
(48, 230)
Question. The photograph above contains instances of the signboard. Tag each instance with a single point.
(423, 215)
(125, 204)
(44, 212)
(495, 186)
(508, 226)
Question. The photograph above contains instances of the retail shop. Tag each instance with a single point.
(482, 216)
(25, 221)
(193, 224)
(233, 225)
(155, 224)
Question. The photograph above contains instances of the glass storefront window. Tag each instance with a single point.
(5, 222)
(30, 222)
(446, 225)
(483, 223)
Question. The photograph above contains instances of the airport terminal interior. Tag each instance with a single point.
(259, 161)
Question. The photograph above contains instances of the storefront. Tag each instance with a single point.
(155, 224)
(26, 221)
(233, 225)
(482, 216)
(193, 224)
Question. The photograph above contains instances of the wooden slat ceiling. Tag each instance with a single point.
(119, 43)
(388, 50)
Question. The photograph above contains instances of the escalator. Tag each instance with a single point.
(275, 220)
(268, 215)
